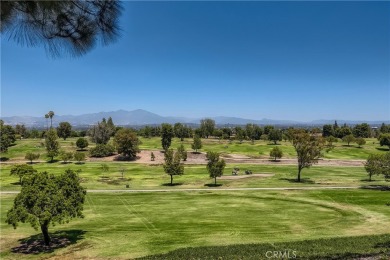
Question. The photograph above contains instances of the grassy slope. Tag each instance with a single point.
(334, 248)
(133, 225)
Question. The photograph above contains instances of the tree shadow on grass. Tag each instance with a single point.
(60, 239)
(382, 149)
(173, 184)
(54, 161)
(122, 158)
(213, 185)
(383, 245)
(376, 187)
(294, 180)
(4, 159)
(16, 183)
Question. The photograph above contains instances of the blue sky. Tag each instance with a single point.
(279, 60)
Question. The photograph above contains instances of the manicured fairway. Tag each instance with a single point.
(132, 225)
(139, 176)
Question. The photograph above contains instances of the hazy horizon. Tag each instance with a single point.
(298, 61)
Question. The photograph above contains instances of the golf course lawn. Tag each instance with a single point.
(129, 225)
(140, 176)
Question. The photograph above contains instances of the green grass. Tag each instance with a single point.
(334, 248)
(140, 176)
(123, 225)
(260, 149)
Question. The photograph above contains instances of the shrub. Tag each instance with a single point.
(102, 150)
(66, 156)
(79, 156)
(32, 156)
(82, 143)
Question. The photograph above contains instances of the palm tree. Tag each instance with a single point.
(61, 27)
(47, 123)
(51, 114)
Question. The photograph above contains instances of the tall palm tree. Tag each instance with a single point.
(47, 123)
(61, 27)
(51, 114)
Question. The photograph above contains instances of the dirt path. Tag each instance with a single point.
(200, 158)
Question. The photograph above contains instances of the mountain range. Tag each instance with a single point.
(142, 117)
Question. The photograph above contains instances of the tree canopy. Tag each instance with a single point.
(61, 27)
(172, 165)
(166, 135)
(48, 199)
(308, 149)
(64, 130)
(127, 142)
(215, 165)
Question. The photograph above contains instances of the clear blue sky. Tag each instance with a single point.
(279, 60)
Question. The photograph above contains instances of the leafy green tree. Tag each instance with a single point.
(384, 140)
(207, 127)
(64, 130)
(276, 152)
(100, 133)
(79, 157)
(240, 134)
(7, 136)
(197, 143)
(215, 165)
(183, 153)
(48, 199)
(111, 125)
(374, 165)
(268, 129)
(362, 130)
(32, 156)
(21, 130)
(82, 143)
(360, 141)
(52, 145)
(66, 156)
(275, 135)
(253, 132)
(22, 170)
(329, 142)
(308, 149)
(384, 129)
(166, 136)
(343, 131)
(61, 27)
(172, 165)
(327, 130)
(127, 142)
(179, 130)
(349, 139)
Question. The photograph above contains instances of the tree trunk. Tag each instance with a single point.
(215, 181)
(370, 176)
(171, 179)
(45, 233)
(299, 175)
(20, 180)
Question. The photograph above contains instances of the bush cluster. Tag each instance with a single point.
(102, 150)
